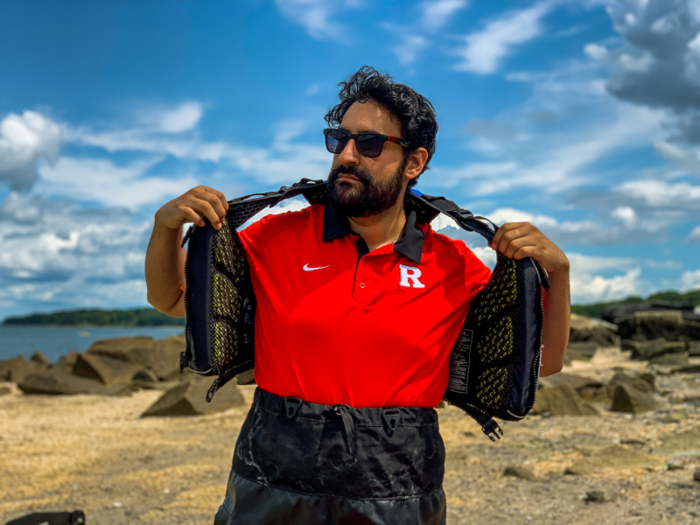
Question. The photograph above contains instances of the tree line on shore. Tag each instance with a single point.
(98, 317)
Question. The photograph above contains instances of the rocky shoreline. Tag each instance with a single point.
(613, 438)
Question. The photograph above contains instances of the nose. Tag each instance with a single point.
(349, 156)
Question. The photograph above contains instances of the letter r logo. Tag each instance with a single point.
(410, 273)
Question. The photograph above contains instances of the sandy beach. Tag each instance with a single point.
(95, 453)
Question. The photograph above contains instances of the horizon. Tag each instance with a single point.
(580, 117)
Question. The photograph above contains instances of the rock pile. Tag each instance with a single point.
(120, 366)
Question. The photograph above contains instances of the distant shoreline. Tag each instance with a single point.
(124, 318)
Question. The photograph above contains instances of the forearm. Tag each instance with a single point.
(557, 318)
(165, 269)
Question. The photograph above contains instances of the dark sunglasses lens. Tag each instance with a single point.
(370, 145)
(336, 141)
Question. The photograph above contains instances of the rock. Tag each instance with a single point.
(579, 351)
(164, 357)
(106, 370)
(617, 313)
(596, 331)
(626, 398)
(696, 474)
(671, 325)
(694, 348)
(645, 383)
(56, 382)
(692, 369)
(17, 368)
(145, 375)
(687, 442)
(521, 472)
(614, 457)
(575, 381)
(40, 359)
(673, 417)
(130, 349)
(646, 350)
(561, 400)
(189, 399)
(596, 395)
(674, 465)
(670, 360)
(595, 496)
(67, 362)
(5, 390)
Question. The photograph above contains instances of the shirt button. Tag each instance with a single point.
(362, 285)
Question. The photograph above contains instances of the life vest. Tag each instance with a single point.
(494, 365)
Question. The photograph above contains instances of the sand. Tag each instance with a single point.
(96, 454)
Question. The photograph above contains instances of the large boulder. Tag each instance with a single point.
(189, 399)
(130, 349)
(106, 370)
(67, 362)
(649, 325)
(17, 368)
(645, 350)
(57, 382)
(562, 400)
(619, 312)
(40, 359)
(595, 331)
(580, 351)
(626, 398)
(164, 357)
(645, 382)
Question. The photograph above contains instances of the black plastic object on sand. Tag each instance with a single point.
(77, 517)
(494, 365)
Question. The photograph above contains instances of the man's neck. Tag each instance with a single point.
(382, 229)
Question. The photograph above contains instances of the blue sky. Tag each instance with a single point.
(582, 117)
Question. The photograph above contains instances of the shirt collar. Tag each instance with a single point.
(336, 225)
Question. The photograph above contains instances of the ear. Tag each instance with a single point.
(416, 162)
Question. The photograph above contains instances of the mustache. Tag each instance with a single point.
(354, 171)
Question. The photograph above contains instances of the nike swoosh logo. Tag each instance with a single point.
(307, 268)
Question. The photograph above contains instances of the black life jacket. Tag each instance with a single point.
(494, 365)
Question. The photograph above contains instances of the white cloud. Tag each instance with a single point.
(694, 235)
(661, 194)
(436, 13)
(272, 165)
(558, 164)
(596, 288)
(690, 280)
(316, 17)
(175, 120)
(100, 180)
(483, 51)
(432, 15)
(24, 139)
(626, 215)
(410, 47)
(685, 158)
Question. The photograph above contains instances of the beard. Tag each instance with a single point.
(367, 196)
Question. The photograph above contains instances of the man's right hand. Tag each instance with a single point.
(192, 206)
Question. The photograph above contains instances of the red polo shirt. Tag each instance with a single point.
(336, 324)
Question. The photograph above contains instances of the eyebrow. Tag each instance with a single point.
(361, 131)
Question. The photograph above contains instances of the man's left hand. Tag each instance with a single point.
(517, 240)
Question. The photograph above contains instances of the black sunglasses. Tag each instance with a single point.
(368, 144)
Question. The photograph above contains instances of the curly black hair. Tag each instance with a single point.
(415, 112)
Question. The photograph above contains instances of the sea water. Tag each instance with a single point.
(55, 341)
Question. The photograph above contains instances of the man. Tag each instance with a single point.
(358, 308)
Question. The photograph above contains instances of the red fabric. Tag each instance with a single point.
(350, 333)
